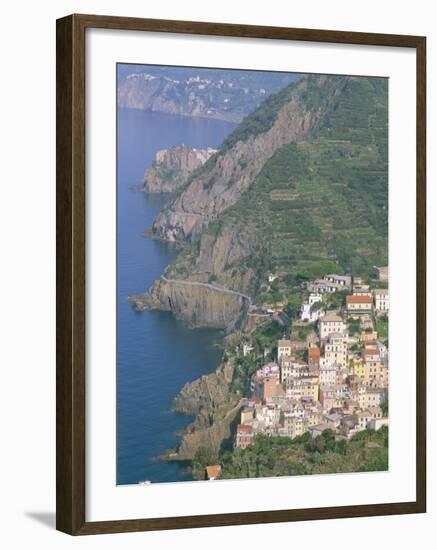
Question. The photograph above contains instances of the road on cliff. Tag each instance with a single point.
(207, 285)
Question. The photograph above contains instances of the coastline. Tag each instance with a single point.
(215, 409)
(221, 117)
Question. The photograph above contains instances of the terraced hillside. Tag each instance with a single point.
(316, 201)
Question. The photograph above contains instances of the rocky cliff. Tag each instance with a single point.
(206, 286)
(215, 408)
(197, 304)
(172, 167)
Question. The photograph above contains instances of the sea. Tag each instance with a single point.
(156, 354)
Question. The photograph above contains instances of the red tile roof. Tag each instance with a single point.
(358, 299)
(370, 351)
(244, 428)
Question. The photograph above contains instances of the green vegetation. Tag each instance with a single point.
(260, 120)
(353, 326)
(304, 330)
(316, 306)
(293, 305)
(264, 337)
(244, 368)
(272, 295)
(336, 300)
(203, 457)
(367, 451)
(318, 205)
(263, 118)
(267, 335)
(382, 327)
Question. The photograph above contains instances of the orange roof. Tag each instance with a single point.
(313, 356)
(213, 471)
(358, 299)
(244, 428)
(370, 351)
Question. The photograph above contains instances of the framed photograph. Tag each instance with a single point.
(240, 274)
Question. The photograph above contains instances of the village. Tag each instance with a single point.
(337, 379)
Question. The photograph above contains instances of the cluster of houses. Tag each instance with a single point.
(362, 299)
(341, 382)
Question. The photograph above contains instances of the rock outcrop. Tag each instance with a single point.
(197, 304)
(172, 167)
(207, 288)
(215, 408)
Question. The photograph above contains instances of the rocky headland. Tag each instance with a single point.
(172, 167)
(222, 95)
(215, 409)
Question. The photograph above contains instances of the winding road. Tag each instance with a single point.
(207, 285)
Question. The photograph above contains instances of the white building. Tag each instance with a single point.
(335, 351)
(377, 423)
(247, 349)
(342, 280)
(382, 303)
(271, 370)
(284, 348)
(307, 314)
(331, 323)
(269, 415)
(328, 375)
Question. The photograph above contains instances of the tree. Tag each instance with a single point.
(336, 300)
(293, 306)
(329, 439)
(353, 326)
(316, 306)
(203, 457)
(341, 447)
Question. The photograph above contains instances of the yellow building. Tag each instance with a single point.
(367, 337)
(376, 373)
(293, 425)
(303, 387)
(246, 415)
(358, 366)
(310, 388)
(312, 418)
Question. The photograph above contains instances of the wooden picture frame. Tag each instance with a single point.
(71, 248)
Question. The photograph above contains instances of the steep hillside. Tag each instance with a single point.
(302, 182)
(283, 118)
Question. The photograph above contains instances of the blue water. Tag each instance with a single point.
(156, 355)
